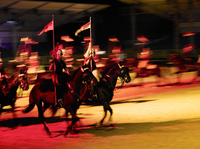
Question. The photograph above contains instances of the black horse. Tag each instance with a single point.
(106, 86)
(71, 94)
(8, 96)
(144, 69)
(184, 64)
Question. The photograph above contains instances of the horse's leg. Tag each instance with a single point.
(111, 112)
(71, 127)
(196, 76)
(46, 106)
(0, 108)
(102, 120)
(41, 116)
(13, 111)
(106, 107)
(178, 77)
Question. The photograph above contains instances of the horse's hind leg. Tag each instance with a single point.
(41, 116)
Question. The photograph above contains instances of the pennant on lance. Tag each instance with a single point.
(84, 27)
(47, 28)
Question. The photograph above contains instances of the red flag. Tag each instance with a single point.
(84, 27)
(47, 28)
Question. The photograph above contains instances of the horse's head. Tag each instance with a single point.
(22, 79)
(124, 73)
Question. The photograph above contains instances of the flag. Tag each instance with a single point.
(47, 28)
(84, 27)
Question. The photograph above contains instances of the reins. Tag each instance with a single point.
(120, 67)
(72, 90)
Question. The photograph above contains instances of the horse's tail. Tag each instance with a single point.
(30, 106)
(31, 101)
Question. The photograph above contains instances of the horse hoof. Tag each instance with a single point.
(98, 125)
(49, 134)
(65, 133)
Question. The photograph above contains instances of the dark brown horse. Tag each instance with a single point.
(8, 96)
(106, 86)
(71, 94)
(184, 64)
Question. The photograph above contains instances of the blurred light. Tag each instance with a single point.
(142, 39)
(67, 38)
(188, 34)
(86, 38)
(113, 39)
(11, 22)
(117, 49)
(188, 48)
(101, 52)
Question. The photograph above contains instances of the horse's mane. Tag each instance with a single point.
(108, 66)
(71, 77)
(13, 78)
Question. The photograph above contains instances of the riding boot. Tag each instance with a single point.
(59, 101)
(93, 94)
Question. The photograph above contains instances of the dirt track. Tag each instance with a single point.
(144, 117)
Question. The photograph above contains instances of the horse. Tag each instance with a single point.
(8, 95)
(105, 88)
(184, 64)
(144, 69)
(71, 93)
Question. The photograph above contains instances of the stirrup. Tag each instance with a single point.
(59, 103)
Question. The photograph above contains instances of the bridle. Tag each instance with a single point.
(72, 91)
(23, 81)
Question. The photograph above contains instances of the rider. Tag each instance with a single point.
(89, 61)
(145, 56)
(58, 66)
(3, 78)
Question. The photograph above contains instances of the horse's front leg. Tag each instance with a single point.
(13, 111)
(71, 128)
(111, 113)
(102, 120)
(106, 107)
(41, 117)
(179, 74)
(196, 76)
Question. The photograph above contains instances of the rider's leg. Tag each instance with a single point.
(93, 89)
(57, 90)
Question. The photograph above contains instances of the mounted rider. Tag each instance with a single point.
(89, 61)
(3, 79)
(60, 73)
(144, 63)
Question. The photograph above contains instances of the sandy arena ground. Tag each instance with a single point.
(166, 117)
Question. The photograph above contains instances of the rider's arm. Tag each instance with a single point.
(51, 67)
